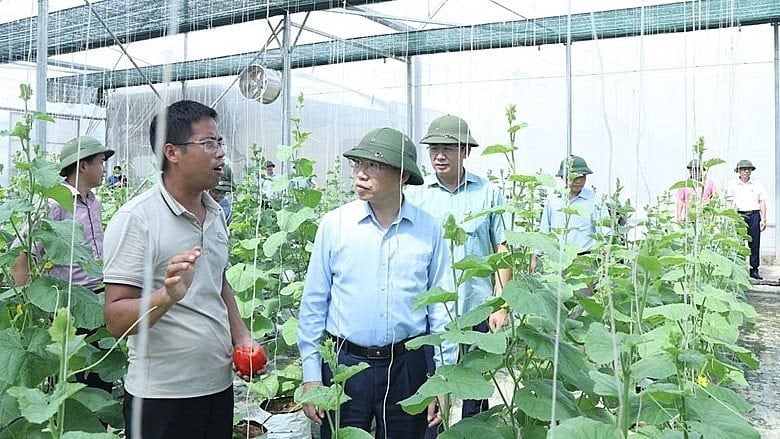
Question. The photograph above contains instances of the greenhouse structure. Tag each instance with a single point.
(653, 332)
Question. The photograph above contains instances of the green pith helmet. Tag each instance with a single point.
(81, 148)
(578, 167)
(449, 129)
(391, 147)
(270, 164)
(744, 164)
(225, 183)
(694, 164)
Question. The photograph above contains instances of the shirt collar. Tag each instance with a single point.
(406, 213)
(176, 207)
(433, 181)
(75, 192)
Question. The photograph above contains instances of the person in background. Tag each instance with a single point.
(221, 192)
(579, 230)
(748, 197)
(371, 258)
(702, 191)
(454, 191)
(82, 164)
(266, 187)
(176, 234)
(116, 179)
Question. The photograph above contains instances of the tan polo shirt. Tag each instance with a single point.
(188, 351)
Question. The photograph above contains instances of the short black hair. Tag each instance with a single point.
(179, 119)
(117, 167)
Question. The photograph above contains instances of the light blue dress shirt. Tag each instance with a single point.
(475, 194)
(580, 228)
(362, 281)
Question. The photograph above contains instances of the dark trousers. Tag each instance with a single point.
(753, 221)
(206, 417)
(375, 393)
(471, 407)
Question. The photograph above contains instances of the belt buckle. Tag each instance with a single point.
(376, 354)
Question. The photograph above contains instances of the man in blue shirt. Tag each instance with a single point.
(371, 258)
(579, 228)
(454, 191)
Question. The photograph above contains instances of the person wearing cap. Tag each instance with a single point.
(266, 186)
(702, 189)
(371, 258)
(166, 251)
(454, 191)
(579, 229)
(220, 192)
(116, 179)
(748, 197)
(82, 164)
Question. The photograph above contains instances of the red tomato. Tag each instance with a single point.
(249, 361)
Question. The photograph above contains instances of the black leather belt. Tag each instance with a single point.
(748, 212)
(373, 352)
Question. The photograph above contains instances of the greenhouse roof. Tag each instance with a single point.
(390, 37)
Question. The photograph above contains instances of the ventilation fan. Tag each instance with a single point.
(260, 84)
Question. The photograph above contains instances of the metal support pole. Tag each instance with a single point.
(568, 98)
(776, 27)
(42, 56)
(286, 86)
(417, 122)
(410, 97)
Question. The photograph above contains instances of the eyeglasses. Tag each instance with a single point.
(209, 145)
(446, 150)
(367, 166)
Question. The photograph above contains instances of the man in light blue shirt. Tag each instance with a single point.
(453, 191)
(579, 229)
(371, 258)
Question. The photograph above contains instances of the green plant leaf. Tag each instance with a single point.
(274, 242)
(24, 359)
(304, 167)
(470, 428)
(571, 362)
(657, 367)
(535, 400)
(47, 176)
(498, 149)
(290, 331)
(672, 311)
(289, 220)
(38, 407)
(433, 296)
(716, 420)
(352, 433)
(583, 428)
(605, 385)
(266, 387)
(309, 197)
(62, 195)
(343, 373)
(457, 380)
(494, 342)
(477, 315)
(482, 361)
(418, 342)
(473, 266)
(245, 277)
(327, 398)
(48, 293)
(525, 294)
(85, 435)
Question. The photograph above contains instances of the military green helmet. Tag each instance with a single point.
(578, 166)
(391, 147)
(694, 164)
(81, 148)
(744, 164)
(225, 183)
(449, 129)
